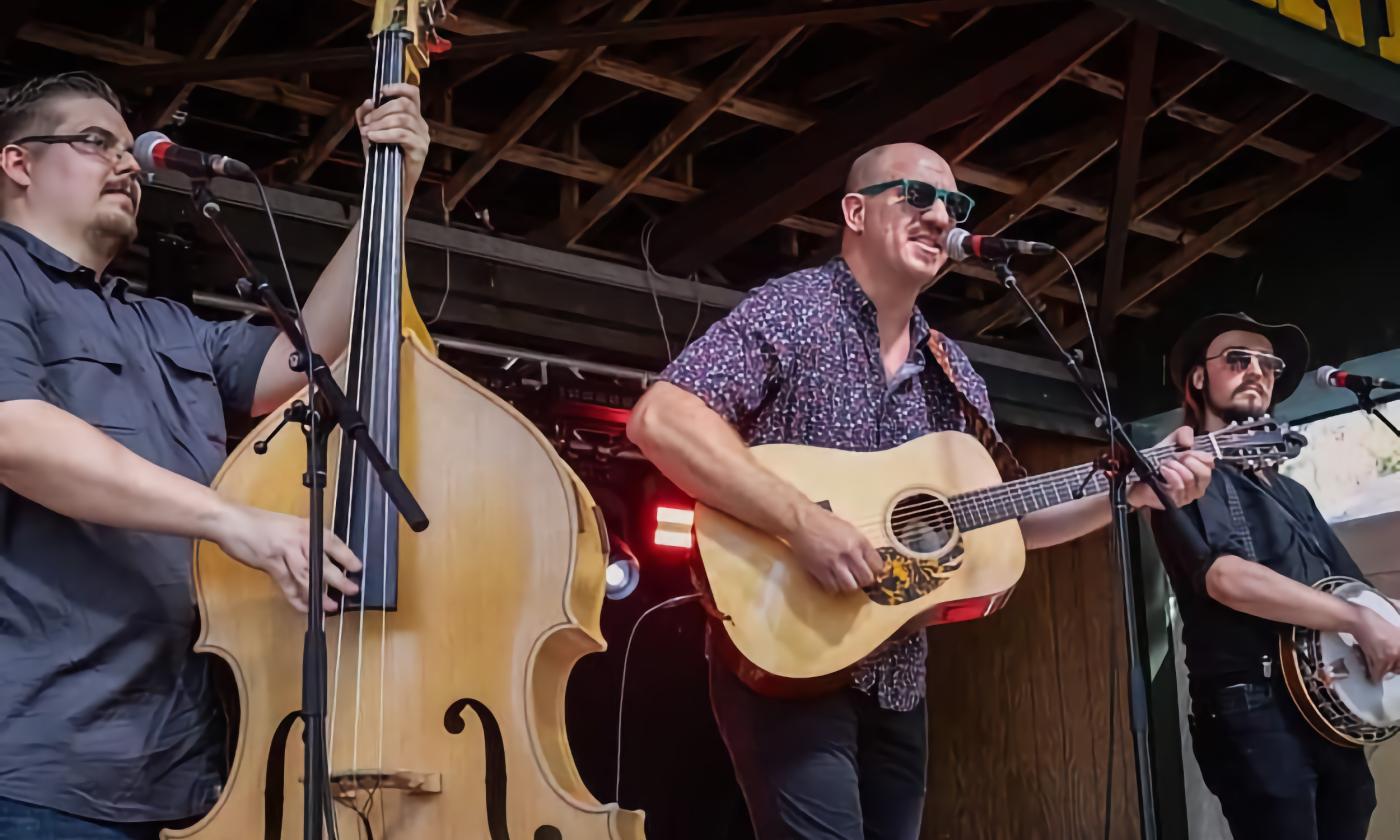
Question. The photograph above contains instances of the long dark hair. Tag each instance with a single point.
(1193, 403)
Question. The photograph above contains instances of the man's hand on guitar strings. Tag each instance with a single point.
(1185, 476)
(834, 552)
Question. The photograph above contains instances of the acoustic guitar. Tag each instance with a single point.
(937, 513)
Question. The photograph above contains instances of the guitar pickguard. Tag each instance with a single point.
(908, 578)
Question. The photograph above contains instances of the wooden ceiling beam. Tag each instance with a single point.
(1206, 122)
(643, 76)
(297, 97)
(1288, 181)
(529, 110)
(1219, 198)
(568, 229)
(743, 23)
(1137, 108)
(1197, 161)
(1080, 205)
(216, 33)
(17, 13)
(797, 173)
(1100, 136)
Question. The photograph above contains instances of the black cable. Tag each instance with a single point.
(1112, 642)
(622, 689)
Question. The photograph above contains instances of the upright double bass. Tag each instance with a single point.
(446, 676)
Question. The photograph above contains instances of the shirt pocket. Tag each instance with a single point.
(190, 377)
(83, 370)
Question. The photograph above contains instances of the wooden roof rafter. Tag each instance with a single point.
(1288, 181)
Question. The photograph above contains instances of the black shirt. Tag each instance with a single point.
(105, 711)
(1222, 644)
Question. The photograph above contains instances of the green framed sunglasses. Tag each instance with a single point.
(921, 196)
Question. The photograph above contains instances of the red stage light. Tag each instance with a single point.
(673, 527)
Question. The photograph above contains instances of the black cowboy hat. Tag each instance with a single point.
(1289, 344)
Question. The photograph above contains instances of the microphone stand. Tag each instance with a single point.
(1370, 406)
(326, 406)
(1118, 498)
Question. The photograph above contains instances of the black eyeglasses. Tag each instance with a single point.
(921, 196)
(1239, 359)
(92, 142)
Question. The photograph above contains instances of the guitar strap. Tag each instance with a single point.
(1241, 527)
(1237, 521)
(978, 425)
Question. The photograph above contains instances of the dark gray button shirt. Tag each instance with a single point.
(105, 711)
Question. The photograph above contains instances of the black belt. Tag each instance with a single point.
(1204, 685)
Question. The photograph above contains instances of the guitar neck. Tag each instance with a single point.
(990, 505)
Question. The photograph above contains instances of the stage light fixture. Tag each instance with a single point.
(623, 573)
(673, 526)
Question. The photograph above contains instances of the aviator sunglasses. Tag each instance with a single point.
(1238, 360)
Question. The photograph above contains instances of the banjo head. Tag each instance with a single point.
(1339, 698)
(1377, 704)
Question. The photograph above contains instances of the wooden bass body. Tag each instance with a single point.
(791, 636)
(457, 727)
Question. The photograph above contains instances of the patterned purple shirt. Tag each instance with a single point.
(798, 361)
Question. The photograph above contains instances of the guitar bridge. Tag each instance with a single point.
(347, 785)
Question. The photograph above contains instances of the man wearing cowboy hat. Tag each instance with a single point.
(1275, 777)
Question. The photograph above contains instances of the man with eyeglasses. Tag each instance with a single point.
(111, 429)
(839, 356)
(1276, 778)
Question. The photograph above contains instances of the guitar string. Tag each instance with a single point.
(393, 187)
(1002, 499)
(373, 212)
(347, 450)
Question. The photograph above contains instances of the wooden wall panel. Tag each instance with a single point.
(1019, 702)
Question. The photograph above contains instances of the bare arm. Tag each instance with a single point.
(1184, 478)
(60, 462)
(1260, 591)
(1065, 522)
(698, 450)
(327, 311)
(327, 314)
(707, 459)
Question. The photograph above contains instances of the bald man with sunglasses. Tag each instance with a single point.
(840, 356)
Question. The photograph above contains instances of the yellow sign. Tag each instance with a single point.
(1350, 22)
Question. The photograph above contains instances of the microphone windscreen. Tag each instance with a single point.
(1324, 376)
(144, 149)
(956, 244)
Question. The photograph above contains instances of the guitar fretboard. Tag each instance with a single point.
(988, 506)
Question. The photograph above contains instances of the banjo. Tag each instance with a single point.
(1327, 677)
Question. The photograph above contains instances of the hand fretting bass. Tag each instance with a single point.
(936, 513)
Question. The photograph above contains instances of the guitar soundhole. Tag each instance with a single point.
(921, 523)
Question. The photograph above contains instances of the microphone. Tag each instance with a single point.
(1330, 377)
(962, 245)
(154, 151)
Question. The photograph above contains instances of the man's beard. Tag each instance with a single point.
(113, 231)
(1235, 414)
(1231, 412)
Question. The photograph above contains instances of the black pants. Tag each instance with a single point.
(836, 767)
(1276, 778)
